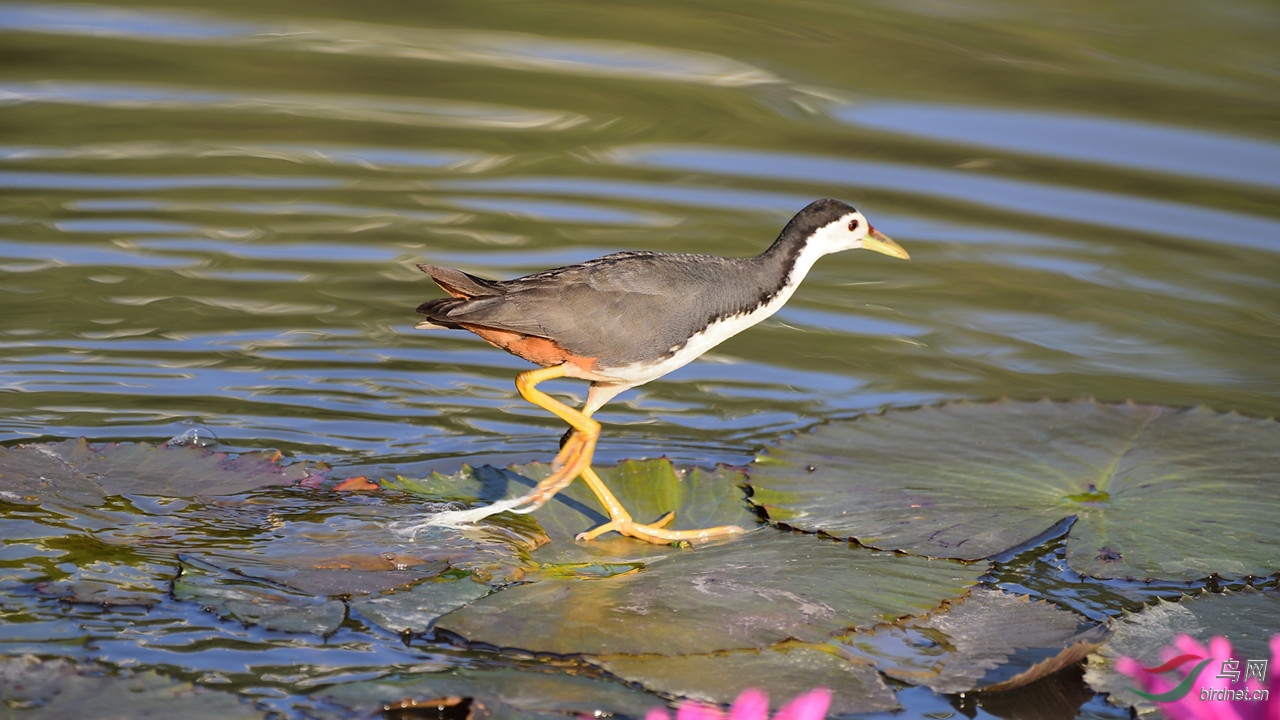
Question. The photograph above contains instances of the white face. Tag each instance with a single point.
(847, 233)
(853, 232)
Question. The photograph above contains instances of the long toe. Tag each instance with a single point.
(657, 534)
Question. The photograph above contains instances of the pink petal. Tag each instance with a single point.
(1187, 644)
(810, 706)
(752, 704)
(694, 710)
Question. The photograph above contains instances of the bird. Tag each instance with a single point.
(626, 319)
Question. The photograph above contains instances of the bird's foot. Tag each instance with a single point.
(459, 519)
(657, 533)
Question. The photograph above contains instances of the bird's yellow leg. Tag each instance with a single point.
(656, 532)
(574, 460)
(577, 450)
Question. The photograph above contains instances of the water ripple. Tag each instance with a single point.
(352, 107)
(488, 48)
(1108, 141)
(1021, 196)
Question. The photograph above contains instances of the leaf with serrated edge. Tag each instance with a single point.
(989, 641)
(1157, 492)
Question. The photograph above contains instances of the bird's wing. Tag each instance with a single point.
(624, 307)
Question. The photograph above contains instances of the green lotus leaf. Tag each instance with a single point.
(748, 593)
(783, 673)
(1155, 492)
(1248, 618)
(989, 641)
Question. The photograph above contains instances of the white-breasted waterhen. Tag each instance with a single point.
(624, 319)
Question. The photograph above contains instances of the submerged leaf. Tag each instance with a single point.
(1157, 492)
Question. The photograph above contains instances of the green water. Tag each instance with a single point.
(210, 215)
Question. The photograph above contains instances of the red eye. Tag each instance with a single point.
(853, 225)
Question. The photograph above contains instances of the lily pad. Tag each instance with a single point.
(987, 641)
(749, 593)
(80, 473)
(355, 554)
(415, 610)
(282, 557)
(1248, 618)
(1156, 492)
(783, 672)
(36, 688)
(253, 602)
(503, 692)
(338, 574)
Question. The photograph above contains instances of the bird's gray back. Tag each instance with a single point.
(628, 307)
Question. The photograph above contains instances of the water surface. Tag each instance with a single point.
(210, 216)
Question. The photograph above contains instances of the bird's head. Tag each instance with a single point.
(851, 231)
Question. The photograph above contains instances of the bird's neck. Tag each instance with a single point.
(787, 261)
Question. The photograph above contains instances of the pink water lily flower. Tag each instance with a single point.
(1194, 682)
(753, 704)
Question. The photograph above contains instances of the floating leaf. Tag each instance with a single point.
(987, 641)
(501, 692)
(748, 593)
(783, 673)
(38, 688)
(350, 572)
(254, 602)
(415, 610)
(281, 557)
(355, 553)
(80, 473)
(1247, 617)
(1157, 492)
